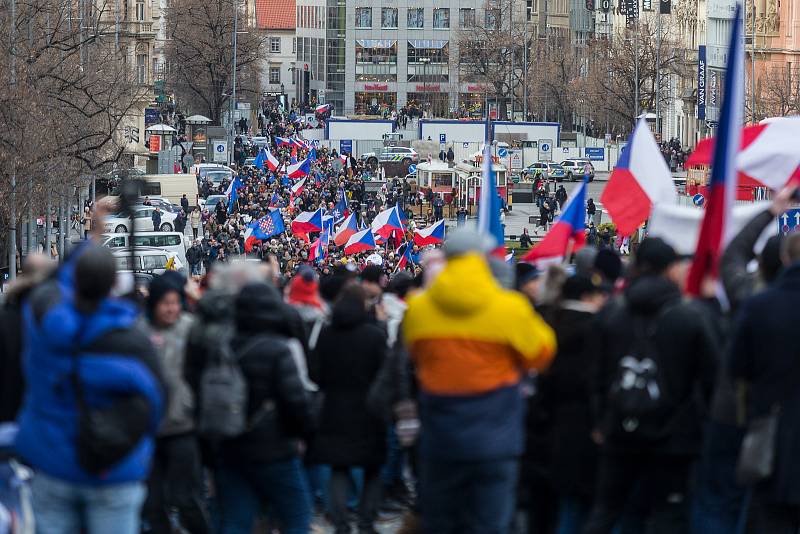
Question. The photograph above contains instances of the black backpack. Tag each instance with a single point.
(640, 406)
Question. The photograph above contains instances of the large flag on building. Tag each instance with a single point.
(721, 196)
(346, 230)
(359, 242)
(489, 207)
(264, 228)
(430, 235)
(386, 222)
(570, 226)
(640, 179)
(768, 152)
(307, 222)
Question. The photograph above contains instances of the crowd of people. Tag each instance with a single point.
(674, 154)
(464, 392)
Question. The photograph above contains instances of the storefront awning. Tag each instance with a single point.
(376, 43)
(427, 43)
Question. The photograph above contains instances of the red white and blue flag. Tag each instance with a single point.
(299, 169)
(431, 235)
(307, 222)
(716, 230)
(360, 242)
(570, 227)
(271, 161)
(489, 207)
(283, 141)
(640, 179)
(297, 188)
(232, 194)
(264, 228)
(346, 230)
(323, 108)
(404, 251)
(341, 209)
(319, 248)
(387, 222)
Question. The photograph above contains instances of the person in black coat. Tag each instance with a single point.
(651, 454)
(262, 465)
(345, 363)
(764, 356)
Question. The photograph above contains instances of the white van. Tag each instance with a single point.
(147, 259)
(174, 242)
(171, 187)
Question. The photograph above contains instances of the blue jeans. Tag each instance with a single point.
(282, 485)
(61, 507)
(475, 497)
(196, 269)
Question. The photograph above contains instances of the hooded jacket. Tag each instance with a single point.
(471, 340)
(114, 359)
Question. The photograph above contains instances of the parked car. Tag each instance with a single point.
(573, 168)
(259, 141)
(147, 259)
(211, 202)
(172, 241)
(162, 203)
(548, 169)
(143, 222)
(392, 154)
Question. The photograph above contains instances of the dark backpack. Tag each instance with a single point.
(640, 406)
(223, 393)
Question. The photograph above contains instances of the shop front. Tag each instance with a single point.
(374, 99)
(471, 101)
(429, 97)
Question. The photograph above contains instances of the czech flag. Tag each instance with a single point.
(386, 222)
(346, 230)
(234, 186)
(297, 188)
(299, 169)
(323, 108)
(283, 141)
(264, 228)
(327, 224)
(307, 222)
(768, 152)
(571, 225)
(432, 235)
(359, 242)
(716, 230)
(402, 213)
(340, 209)
(319, 248)
(640, 179)
(404, 251)
(490, 205)
(271, 161)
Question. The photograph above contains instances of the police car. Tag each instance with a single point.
(392, 154)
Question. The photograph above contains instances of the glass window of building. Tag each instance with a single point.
(466, 17)
(416, 18)
(274, 75)
(441, 18)
(275, 45)
(389, 18)
(428, 61)
(493, 19)
(376, 60)
(363, 17)
(374, 103)
(139, 10)
(141, 68)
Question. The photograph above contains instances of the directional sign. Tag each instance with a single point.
(220, 150)
(412, 169)
(345, 146)
(442, 138)
(595, 153)
(466, 144)
(789, 221)
(502, 152)
(545, 149)
(698, 200)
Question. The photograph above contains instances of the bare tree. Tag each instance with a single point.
(201, 54)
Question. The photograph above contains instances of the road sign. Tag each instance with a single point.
(220, 150)
(545, 149)
(442, 138)
(594, 153)
(698, 200)
(466, 144)
(412, 169)
(515, 158)
(502, 152)
(345, 146)
(789, 221)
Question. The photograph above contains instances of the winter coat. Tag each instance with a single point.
(470, 340)
(764, 353)
(194, 255)
(194, 218)
(156, 218)
(170, 345)
(565, 394)
(115, 359)
(344, 364)
(738, 281)
(686, 353)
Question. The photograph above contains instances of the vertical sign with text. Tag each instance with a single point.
(701, 82)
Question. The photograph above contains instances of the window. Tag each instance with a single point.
(466, 17)
(388, 18)
(376, 60)
(294, 45)
(139, 10)
(157, 240)
(274, 75)
(428, 61)
(416, 18)
(363, 17)
(441, 18)
(141, 68)
(153, 262)
(493, 19)
(115, 242)
(275, 45)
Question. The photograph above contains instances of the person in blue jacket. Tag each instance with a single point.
(75, 334)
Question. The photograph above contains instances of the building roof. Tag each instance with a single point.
(275, 14)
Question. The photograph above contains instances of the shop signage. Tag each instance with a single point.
(376, 87)
(428, 88)
(475, 89)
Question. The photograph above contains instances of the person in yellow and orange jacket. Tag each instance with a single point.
(471, 343)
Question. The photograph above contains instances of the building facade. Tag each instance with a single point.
(276, 19)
